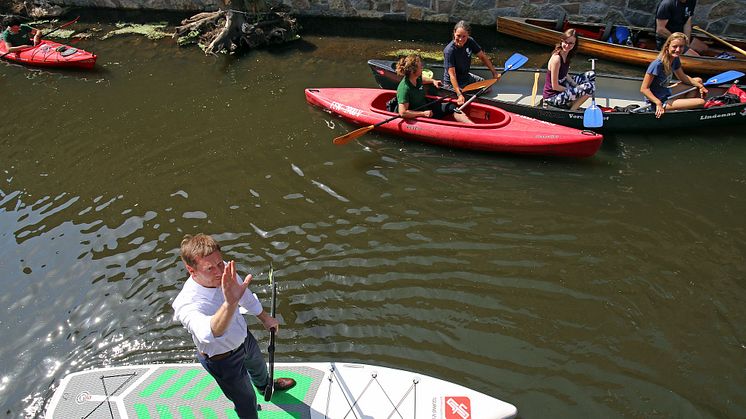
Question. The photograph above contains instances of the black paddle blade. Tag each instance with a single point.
(268, 391)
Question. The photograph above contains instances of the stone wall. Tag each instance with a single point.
(726, 17)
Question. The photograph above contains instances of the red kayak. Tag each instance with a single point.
(495, 129)
(52, 54)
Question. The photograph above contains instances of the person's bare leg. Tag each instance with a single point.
(685, 103)
(461, 117)
(578, 102)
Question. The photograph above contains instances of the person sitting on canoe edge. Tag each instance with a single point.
(676, 16)
(17, 36)
(457, 60)
(656, 85)
(410, 95)
(208, 307)
(560, 90)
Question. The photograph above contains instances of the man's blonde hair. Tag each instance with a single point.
(197, 246)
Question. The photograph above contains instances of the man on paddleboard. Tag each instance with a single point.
(208, 306)
(17, 36)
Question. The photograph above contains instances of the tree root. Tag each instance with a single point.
(229, 30)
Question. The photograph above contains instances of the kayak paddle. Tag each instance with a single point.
(344, 139)
(593, 117)
(721, 78)
(515, 61)
(51, 32)
(271, 348)
(64, 25)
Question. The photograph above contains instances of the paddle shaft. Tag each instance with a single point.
(721, 40)
(508, 67)
(534, 89)
(471, 99)
(50, 32)
(271, 348)
(593, 93)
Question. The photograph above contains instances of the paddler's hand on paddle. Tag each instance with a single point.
(460, 99)
(232, 290)
(268, 321)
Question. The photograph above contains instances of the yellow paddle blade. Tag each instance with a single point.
(479, 85)
(344, 139)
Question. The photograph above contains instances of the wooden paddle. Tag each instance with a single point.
(593, 117)
(515, 61)
(534, 88)
(721, 40)
(721, 78)
(271, 348)
(49, 33)
(344, 139)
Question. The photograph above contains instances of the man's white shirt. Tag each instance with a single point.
(194, 308)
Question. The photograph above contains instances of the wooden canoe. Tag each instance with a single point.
(514, 94)
(593, 43)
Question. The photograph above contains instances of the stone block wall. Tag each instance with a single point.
(725, 17)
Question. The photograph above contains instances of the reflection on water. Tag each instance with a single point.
(598, 288)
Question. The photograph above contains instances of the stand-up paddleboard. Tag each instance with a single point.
(323, 390)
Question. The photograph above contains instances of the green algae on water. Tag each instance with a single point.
(151, 31)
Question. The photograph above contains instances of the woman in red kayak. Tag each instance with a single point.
(411, 95)
(658, 76)
(560, 90)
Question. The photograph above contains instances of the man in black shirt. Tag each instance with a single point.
(676, 16)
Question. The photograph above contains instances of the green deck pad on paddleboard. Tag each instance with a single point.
(174, 391)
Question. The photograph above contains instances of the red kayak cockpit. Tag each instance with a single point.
(484, 116)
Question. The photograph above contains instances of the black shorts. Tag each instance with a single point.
(441, 110)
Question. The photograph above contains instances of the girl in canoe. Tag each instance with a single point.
(457, 60)
(655, 84)
(411, 96)
(560, 90)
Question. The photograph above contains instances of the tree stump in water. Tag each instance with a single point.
(230, 30)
